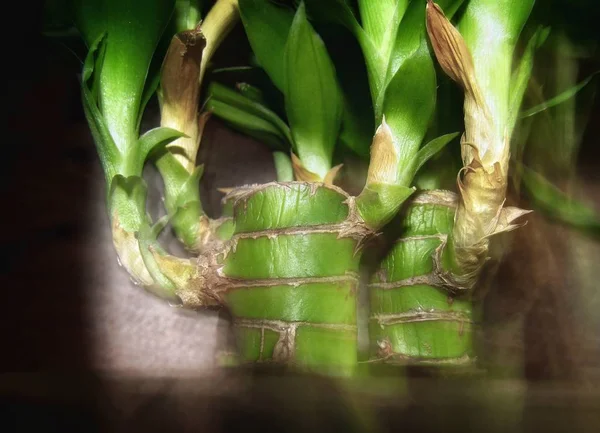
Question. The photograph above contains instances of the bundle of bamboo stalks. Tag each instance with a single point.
(285, 257)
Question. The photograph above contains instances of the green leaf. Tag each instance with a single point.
(182, 192)
(358, 121)
(381, 18)
(432, 148)
(313, 99)
(283, 167)
(251, 92)
(127, 197)
(334, 11)
(248, 123)
(230, 97)
(187, 14)
(491, 29)
(158, 227)
(149, 91)
(408, 106)
(338, 11)
(174, 176)
(107, 150)
(557, 205)
(192, 183)
(558, 99)
(155, 139)
(164, 286)
(267, 28)
(409, 43)
(186, 210)
(133, 29)
(378, 203)
(411, 33)
(522, 74)
(233, 69)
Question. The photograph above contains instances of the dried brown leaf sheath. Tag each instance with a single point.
(181, 92)
(301, 173)
(450, 49)
(181, 66)
(384, 158)
(455, 59)
(485, 153)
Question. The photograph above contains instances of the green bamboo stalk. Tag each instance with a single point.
(402, 79)
(417, 317)
(289, 272)
(289, 275)
(285, 256)
(183, 68)
(421, 307)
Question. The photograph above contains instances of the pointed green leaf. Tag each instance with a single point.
(235, 99)
(380, 18)
(249, 124)
(312, 96)
(149, 91)
(558, 99)
(267, 28)
(408, 106)
(155, 139)
(190, 187)
(187, 210)
(491, 29)
(522, 74)
(338, 11)
(127, 196)
(182, 192)
(410, 43)
(378, 203)
(187, 14)
(334, 11)
(107, 150)
(164, 286)
(133, 29)
(174, 176)
(158, 227)
(233, 69)
(412, 32)
(556, 204)
(251, 92)
(432, 148)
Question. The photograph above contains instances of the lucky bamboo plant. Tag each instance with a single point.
(285, 257)
(420, 297)
(287, 241)
(421, 301)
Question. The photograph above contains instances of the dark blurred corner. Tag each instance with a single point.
(42, 321)
(43, 216)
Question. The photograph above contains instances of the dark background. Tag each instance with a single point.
(56, 255)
